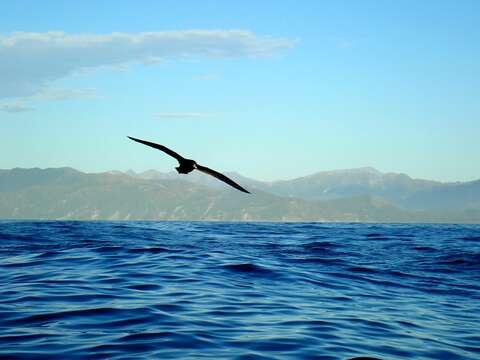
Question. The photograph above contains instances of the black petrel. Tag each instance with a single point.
(188, 165)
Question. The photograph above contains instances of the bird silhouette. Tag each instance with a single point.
(188, 165)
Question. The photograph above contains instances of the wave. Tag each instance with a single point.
(143, 290)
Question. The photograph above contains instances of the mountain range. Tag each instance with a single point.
(362, 194)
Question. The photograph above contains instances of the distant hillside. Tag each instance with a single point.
(65, 193)
(397, 189)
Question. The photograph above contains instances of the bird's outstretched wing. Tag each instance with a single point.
(221, 177)
(159, 147)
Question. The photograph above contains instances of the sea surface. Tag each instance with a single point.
(211, 290)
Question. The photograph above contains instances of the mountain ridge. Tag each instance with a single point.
(397, 188)
(66, 193)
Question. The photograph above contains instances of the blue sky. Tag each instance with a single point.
(270, 89)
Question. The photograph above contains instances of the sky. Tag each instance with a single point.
(269, 89)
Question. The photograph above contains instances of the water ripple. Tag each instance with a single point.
(169, 290)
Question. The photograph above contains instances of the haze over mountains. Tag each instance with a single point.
(363, 194)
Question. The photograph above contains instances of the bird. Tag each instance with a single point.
(188, 165)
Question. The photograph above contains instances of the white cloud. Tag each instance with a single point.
(31, 61)
(15, 108)
(183, 115)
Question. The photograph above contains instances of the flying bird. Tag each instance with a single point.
(188, 165)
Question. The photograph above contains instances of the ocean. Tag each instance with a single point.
(213, 290)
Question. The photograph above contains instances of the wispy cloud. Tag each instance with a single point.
(15, 108)
(184, 115)
(67, 94)
(206, 77)
(29, 62)
(342, 43)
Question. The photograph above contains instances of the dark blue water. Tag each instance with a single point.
(160, 290)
